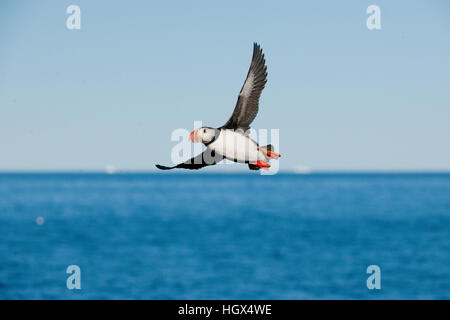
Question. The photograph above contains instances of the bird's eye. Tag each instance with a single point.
(204, 130)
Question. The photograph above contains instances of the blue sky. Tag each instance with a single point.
(343, 97)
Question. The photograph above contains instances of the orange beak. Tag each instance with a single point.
(195, 137)
(191, 137)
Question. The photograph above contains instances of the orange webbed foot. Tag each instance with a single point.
(261, 164)
(270, 154)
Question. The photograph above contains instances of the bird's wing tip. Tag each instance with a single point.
(160, 167)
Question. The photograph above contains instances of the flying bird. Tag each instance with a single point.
(231, 141)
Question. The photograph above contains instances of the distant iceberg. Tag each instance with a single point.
(301, 169)
(110, 169)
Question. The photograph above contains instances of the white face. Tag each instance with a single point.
(203, 135)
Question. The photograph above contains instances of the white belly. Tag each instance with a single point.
(237, 147)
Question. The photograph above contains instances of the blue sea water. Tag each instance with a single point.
(225, 236)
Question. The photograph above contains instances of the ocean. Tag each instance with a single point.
(224, 236)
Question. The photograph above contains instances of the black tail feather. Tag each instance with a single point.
(269, 147)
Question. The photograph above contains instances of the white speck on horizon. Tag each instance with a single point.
(301, 169)
(110, 169)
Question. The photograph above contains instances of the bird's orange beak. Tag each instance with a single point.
(194, 137)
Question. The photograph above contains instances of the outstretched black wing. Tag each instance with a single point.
(248, 101)
(206, 158)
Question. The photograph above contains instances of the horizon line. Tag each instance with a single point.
(289, 171)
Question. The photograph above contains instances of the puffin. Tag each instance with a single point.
(232, 141)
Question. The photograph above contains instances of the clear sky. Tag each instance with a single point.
(344, 97)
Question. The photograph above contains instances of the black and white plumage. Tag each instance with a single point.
(231, 140)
